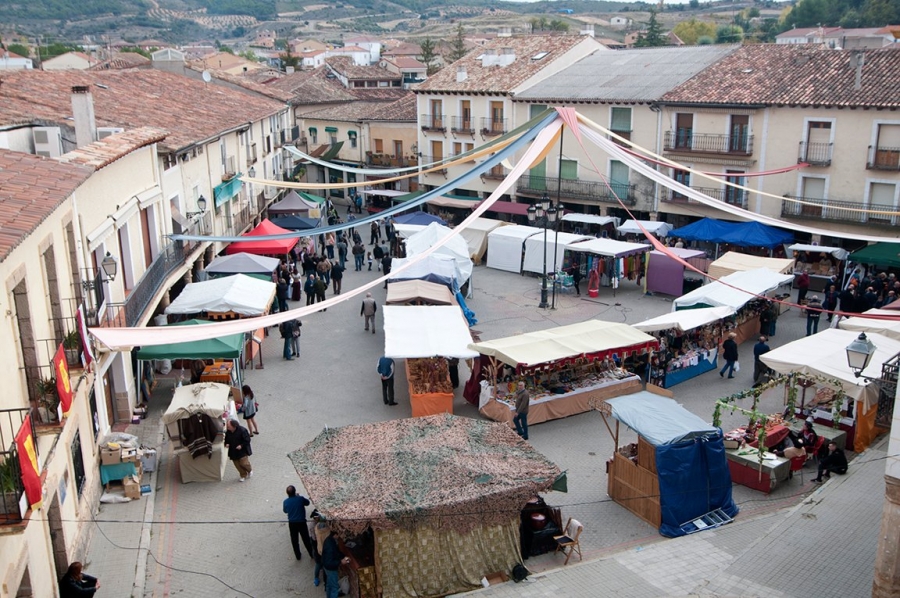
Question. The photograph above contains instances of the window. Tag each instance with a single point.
(620, 122)
(618, 178)
(812, 188)
(169, 161)
(352, 136)
(683, 177)
(457, 148)
(78, 463)
(568, 170)
(437, 116)
(465, 111)
(739, 139)
(398, 148)
(535, 110)
(735, 196)
(684, 130)
(882, 198)
(437, 151)
(887, 148)
(379, 146)
(497, 124)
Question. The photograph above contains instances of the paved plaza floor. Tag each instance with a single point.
(230, 539)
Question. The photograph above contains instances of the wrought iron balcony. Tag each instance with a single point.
(433, 122)
(493, 126)
(815, 154)
(686, 140)
(732, 196)
(498, 173)
(577, 189)
(833, 210)
(883, 158)
(462, 124)
(388, 161)
(11, 486)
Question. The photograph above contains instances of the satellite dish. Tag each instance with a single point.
(206, 76)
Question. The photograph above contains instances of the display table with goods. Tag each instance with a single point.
(822, 268)
(195, 422)
(746, 470)
(430, 391)
(220, 372)
(688, 343)
(565, 369)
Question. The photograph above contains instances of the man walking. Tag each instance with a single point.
(337, 275)
(295, 338)
(342, 251)
(359, 255)
(802, 286)
(287, 333)
(368, 309)
(295, 507)
(759, 368)
(813, 313)
(237, 439)
(520, 419)
(386, 369)
(729, 354)
(386, 262)
(281, 293)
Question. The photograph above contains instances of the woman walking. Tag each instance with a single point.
(249, 409)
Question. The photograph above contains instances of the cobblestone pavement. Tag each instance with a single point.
(230, 539)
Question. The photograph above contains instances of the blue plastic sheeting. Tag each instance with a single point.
(468, 313)
(420, 218)
(439, 269)
(742, 234)
(658, 419)
(693, 480)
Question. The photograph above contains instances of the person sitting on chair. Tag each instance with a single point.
(835, 461)
(790, 447)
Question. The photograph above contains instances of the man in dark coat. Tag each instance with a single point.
(281, 293)
(287, 333)
(835, 461)
(729, 354)
(332, 559)
(295, 507)
(386, 262)
(759, 368)
(337, 276)
(237, 439)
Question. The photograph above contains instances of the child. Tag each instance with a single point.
(369, 259)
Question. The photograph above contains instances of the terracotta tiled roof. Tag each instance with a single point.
(246, 81)
(804, 31)
(378, 94)
(31, 188)
(503, 79)
(795, 75)
(406, 62)
(313, 87)
(403, 110)
(109, 149)
(403, 49)
(344, 66)
(189, 110)
(122, 60)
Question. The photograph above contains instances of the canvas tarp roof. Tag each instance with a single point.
(412, 290)
(443, 201)
(742, 234)
(263, 247)
(413, 331)
(837, 252)
(590, 219)
(208, 398)
(558, 242)
(295, 202)
(223, 347)
(889, 328)
(574, 340)
(419, 217)
(455, 248)
(630, 227)
(748, 284)
(243, 263)
(505, 245)
(880, 254)
(609, 247)
(658, 419)
(240, 294)
(825, 354)
(405, 231)
(733, 261)
(293, 222)
(684, 320)
(440, 269)
(476, 235)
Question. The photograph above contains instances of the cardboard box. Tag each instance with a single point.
(497, 578)
(110, 456)
(731, 444)
(129, 455)
(132, 490)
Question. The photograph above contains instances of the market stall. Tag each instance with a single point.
(675, 477)
(668, 276)
(733, 261)
(738, 291)
(455, 247)
(886, 255)
(825, 355)
(292, 222)
(418, 292)
(195, 420)
(688, 343)
(506, 246)
(420, 218)
(564, 368)
(423, 530)
(889, 328)
(298, 203)
(476, 236)
(590, 224)
(439, 269)
(815, 258)
(257, 266)
(556, 247)
(740, 234)
(224, 298)
(426, 336)
(612, 260)
(654, 227)
(273, 247)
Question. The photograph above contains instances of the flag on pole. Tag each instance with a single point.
(86, 350)
(31, 477)
(63, 387)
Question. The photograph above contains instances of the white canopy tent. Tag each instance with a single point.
(558, 242)
(684, 320)
(889, 328)
(733, 290)
(418, 331)
(209, 399)
(240, 294)
(591, 336)
(405, 231)
(456, 247)
(440, 269)
(590, 219)
(505, 246)
(630, 227)
(243, 263)
(733, 261)
(390, 193)
(609, 247)
(476, 236)
(837, 252)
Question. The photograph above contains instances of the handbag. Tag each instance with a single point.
(737, 366)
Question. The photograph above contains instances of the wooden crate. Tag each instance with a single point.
(646, 455)
(635, 488)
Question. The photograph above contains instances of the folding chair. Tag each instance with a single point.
(568, 543)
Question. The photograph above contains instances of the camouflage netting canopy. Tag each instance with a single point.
(443, 471)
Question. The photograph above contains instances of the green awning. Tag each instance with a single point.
(351, 134)
(313, 130)
(227, 347)
(310, 197)
(880, 254)
(407, 197)
(331, 129)
(332, 151)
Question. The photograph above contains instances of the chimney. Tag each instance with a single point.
(461, 73)
(83, 113)
(489, 58)
(288, 69)
(857, 60)
(587, 30)
(507, 57)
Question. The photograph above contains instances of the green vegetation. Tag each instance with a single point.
(457, 44)
(136, 50)
(56, 49)
(261, 9)
(844, 13)
(429, 56)
(653, 36)
(691, 31)
(19, 49)
(64, 10)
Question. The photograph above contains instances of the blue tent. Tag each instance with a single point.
(691, 466)
(742, 234)
(420, 218)
(295, 222)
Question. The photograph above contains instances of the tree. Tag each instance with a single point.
(558, 25)
(458, 44)
(653, 36)
(729, 34)
(429, 56)
(692, 30)
(135, 50)
(694, 4)
(288, 59)
(19, 49)
(249, 55)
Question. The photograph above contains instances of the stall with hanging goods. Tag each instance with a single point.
(564, 368)
(557, 245)
(610, 261)
(815, 258)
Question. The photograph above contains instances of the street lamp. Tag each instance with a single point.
(201, 206)
(252, 172)
(109, 266)
(859, 354)
(543, 214)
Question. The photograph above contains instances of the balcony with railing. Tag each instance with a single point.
(815, 154)
(13, 505)
(462, 124)
(432, 159)
(731, 196)
(434, 122)
(389, 161)
(493, 126)
(577, 189)
(883, 158)
(833, 210)
(686, 140)
(497, 173)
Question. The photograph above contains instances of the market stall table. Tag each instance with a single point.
(218, 372)
(117, 471)
(743, 463)
(826, 431)
(205, 468)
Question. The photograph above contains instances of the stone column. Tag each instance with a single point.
(887, 559)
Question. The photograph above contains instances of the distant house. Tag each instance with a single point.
(359, 56)
(805, 35)
(410, 69)
(67, 61)
(371, 44)
(620, 22)
(302, 46)
(122, 60)
(11, 60)
(565, 11)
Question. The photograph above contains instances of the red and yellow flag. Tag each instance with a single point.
(31, 477)
(63, 387)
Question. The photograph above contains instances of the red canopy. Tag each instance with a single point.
(264, 247)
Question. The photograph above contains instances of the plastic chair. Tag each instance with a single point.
(568, 543)
(797, 464)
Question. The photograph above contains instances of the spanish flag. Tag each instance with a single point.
(31, 477)
(63, 387)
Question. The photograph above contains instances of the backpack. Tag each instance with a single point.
(519, 573)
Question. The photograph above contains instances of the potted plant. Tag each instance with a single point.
(9, 495)
(48, 401)
(72, 347)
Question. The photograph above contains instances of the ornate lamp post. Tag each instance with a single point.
(544, 215)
